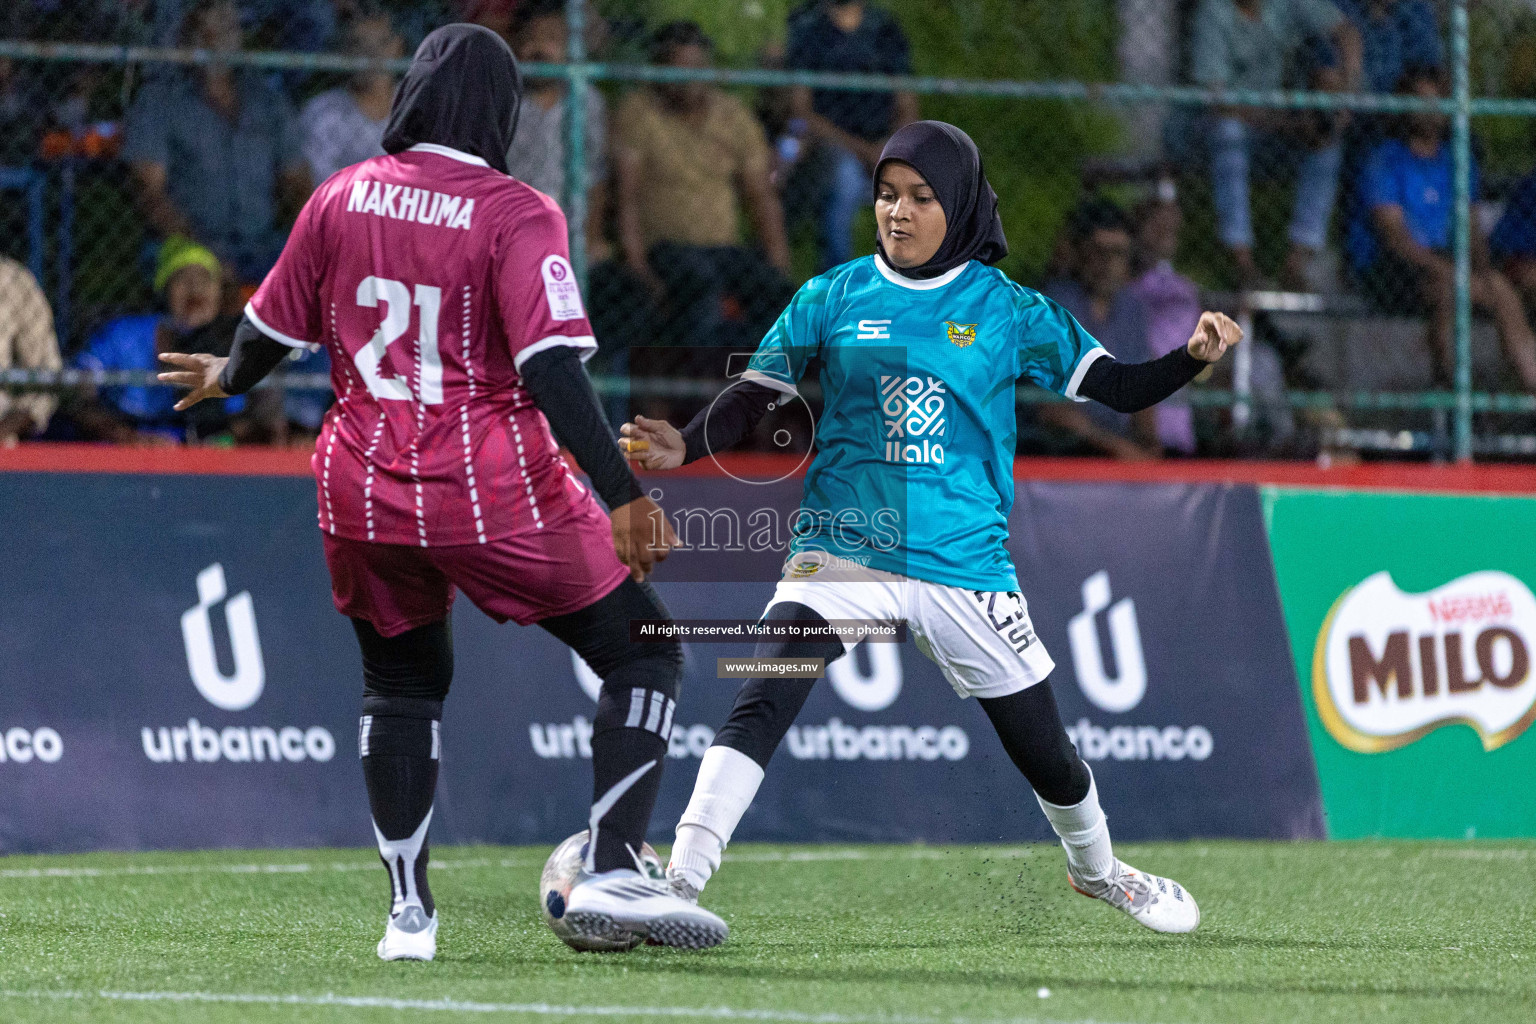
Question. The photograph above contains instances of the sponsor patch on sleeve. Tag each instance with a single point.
(561, 290)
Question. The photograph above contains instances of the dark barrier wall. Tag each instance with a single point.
(173, 675)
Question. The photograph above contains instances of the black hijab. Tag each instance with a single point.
(951, 165)
(462, 90)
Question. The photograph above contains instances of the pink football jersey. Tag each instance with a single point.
(431, 278)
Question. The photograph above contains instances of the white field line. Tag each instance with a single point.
(517, 1009)
(301, 868)
(241, 869)
(754, 857)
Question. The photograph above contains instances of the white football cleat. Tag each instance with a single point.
(410, 935)
(1160, 904)
(624, 902)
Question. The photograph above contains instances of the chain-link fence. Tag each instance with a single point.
(1295, 162)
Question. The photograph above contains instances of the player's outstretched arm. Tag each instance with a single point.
(725, 423)
(252, 356)
(1132, 387)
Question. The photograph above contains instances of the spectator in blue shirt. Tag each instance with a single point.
(1395, 35)
(217, 153)
(187, 277)
(851, 127)
(1400, 241)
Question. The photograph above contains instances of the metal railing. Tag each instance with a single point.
(578, 71)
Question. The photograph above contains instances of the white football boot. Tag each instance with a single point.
(409, 935)
(1158, 903)
(624, 902)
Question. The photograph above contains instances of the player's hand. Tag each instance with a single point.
(1214, 334)
(198, 371)
(654, 444)
(642, 536)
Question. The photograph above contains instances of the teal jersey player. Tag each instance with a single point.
(905, 513)
(914, 470)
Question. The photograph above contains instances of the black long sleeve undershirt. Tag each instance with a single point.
(729, 421)
(1124, 387)
(563, 392)
(1132, 387)
(252, 356)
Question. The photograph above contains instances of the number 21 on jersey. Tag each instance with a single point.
(396, 298)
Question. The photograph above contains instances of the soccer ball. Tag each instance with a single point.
(567, 866)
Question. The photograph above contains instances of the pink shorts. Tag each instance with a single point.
(525, 578)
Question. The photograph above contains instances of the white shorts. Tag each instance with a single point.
(983, 641)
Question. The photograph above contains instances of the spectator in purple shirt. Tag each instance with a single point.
(1172, 302)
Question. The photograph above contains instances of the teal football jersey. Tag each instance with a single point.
(913, 472)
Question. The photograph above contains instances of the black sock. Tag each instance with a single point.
(400, 759)
(626, 771)
(1030, 727)
(634, 715)
(405, 679)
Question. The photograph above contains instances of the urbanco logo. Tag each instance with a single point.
(228, 692)
(1389, 667)
(236, 691)
(869, 691)
(1124, 690)
(874, 689)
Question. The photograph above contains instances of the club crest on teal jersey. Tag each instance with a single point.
(962, 335)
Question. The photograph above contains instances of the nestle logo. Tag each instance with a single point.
(1471, 607)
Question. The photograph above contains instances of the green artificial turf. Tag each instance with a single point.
(1368, 931)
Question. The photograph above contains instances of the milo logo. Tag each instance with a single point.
(1390, 667)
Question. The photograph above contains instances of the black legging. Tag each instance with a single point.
(1027, 722)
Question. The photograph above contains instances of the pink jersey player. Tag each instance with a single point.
(433, 278)
(443, 289)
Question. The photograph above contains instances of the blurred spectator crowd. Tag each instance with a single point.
(707, 206)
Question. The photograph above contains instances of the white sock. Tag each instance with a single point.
(727, 782)
(1084, 833)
